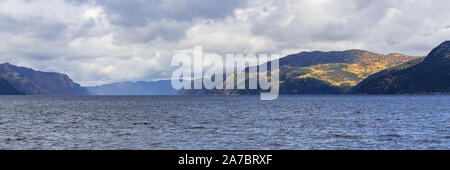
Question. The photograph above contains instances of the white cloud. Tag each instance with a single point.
(98, 41)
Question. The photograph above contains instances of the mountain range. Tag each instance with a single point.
(317, 72)
(356, 72)
(162, 87)
(334, 72)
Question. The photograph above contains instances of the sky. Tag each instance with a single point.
(105, 41)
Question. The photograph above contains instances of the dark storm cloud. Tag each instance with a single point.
(167, 30)
(34, 26)
(140, 12)
(140, 21)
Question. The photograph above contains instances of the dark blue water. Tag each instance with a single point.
(177, 122)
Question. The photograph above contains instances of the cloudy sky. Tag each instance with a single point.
(103, 41)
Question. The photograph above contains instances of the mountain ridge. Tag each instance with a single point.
(430, 76)
(318, 72)
(31, 82)
(162, 87)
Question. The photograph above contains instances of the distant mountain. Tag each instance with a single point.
(430, 76)
(319, 72)
(163, 87)
(32, 82)
(8, 89)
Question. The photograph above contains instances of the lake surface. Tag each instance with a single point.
(240, 122)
